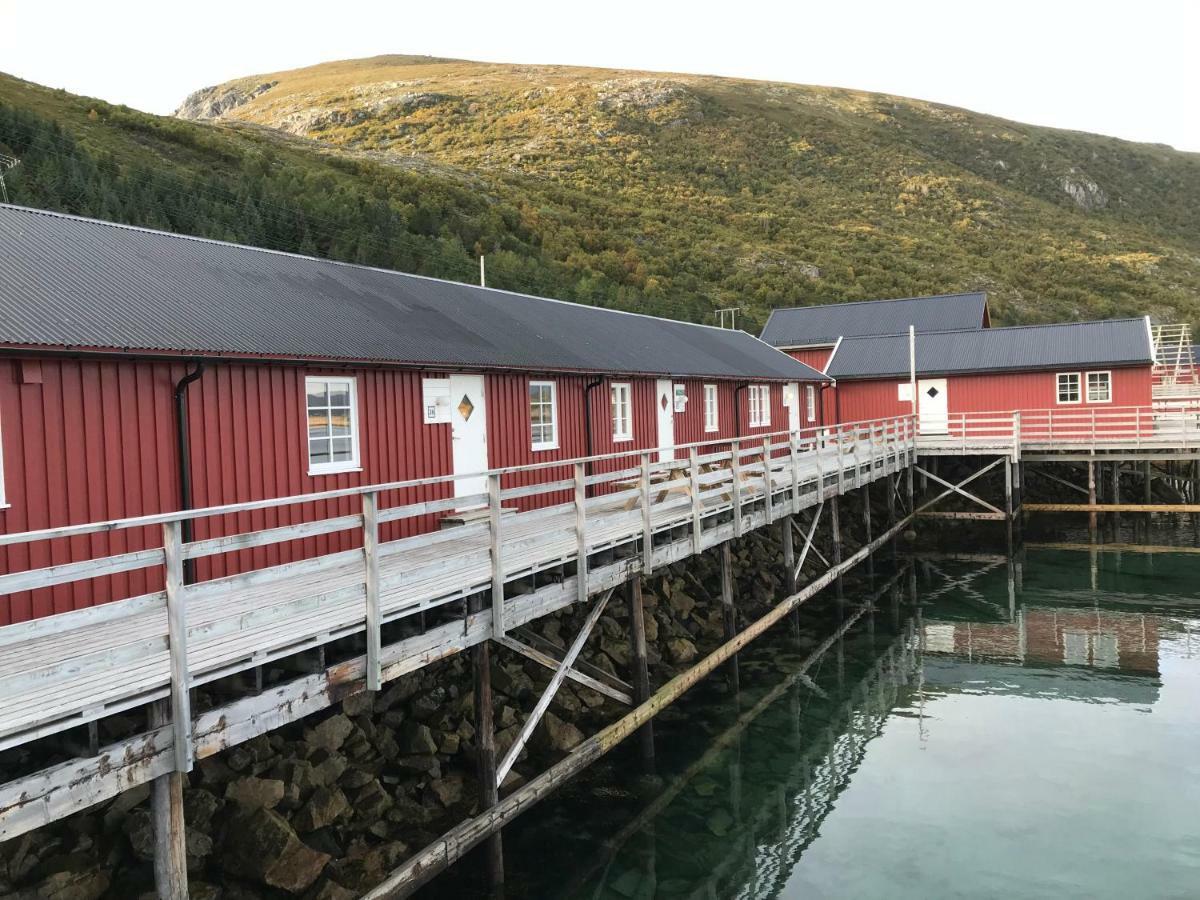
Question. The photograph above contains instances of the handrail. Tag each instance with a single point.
(815, 432)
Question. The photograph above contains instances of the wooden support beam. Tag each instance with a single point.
(789, 554)
(450, 847)
(641, 670)
(729, 613)
(1049, 477)
(485, 744)
(1115, 507)
(166, 803)
(1091, 477)
(967, 516)
(181, 700)
(958, 488)
(548, 648)
(809, 544)
(556, 680)
(550, 662)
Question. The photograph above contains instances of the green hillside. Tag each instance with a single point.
(670, 194)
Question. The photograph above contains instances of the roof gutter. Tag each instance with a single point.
(588, 443)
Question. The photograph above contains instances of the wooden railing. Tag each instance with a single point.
(1124, 426)
(240, 621)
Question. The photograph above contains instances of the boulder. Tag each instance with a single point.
(363, 871)
(447, 790)
(327, 767)
(556, 735)
(199, 807)
(331, 890)
(262, 846)
(331, 733)
(415, 738)
(325, 807)
(372, 801)
(681, 651)
(361, 704)
(426, 766)
(74, 876)
(255, 793)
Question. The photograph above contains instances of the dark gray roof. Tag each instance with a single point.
(82, 283)
(802, 326)
(1115, 342)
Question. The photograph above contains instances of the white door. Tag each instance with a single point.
(666, 418)
(468, 417)
(933, 411)
(793, 406)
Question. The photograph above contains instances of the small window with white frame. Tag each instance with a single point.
(1099, 387)
(711, 420)
(760, 405)
(543, 415)
(810, 402)
(332, 410)
(1068, 387)
(622, 411)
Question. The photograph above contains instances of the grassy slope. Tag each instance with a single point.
(673, 194)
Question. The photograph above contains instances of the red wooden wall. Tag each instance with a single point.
(817, 357)
(987, 392)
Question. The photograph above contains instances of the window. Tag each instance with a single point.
(543, 415)
(760, 405)
(332, 425)
(810, 402)
(622, 412)
(1068, 387)
(1099, 387)
(710, 408)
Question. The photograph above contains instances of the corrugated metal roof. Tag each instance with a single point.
(76, 282)
(805, 325)
(1114, 342)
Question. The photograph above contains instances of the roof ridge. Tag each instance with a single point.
(880, 300)
(33, 210)
(996, 330)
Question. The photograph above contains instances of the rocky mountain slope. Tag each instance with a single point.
(673, 194)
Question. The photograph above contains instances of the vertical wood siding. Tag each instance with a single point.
(817, 357)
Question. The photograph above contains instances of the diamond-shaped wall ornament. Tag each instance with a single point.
(466, 407)
(932, 392)
(663, 401)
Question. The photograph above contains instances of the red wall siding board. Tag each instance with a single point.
(817, 357)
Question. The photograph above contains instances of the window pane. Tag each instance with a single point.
(341, 423)
(318, 425)
(341, 450)
(339, 393)
(318, 394)
(318, 452)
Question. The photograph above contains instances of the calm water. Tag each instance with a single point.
(1039, 738)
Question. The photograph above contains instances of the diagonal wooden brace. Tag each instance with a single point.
(556, 681)
(958, 488)
(809, 545)
(545, 659)
(808, 540)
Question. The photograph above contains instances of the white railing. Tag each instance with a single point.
(1116, 426)
(515, 528)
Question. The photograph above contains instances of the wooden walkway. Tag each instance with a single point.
(73, 668)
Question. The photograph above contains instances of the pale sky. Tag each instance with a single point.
(1130, 69)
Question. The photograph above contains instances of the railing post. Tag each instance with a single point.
(581, 564)
(1016, 433)
(647, 521)
(694, 490)
(1137, 426)
(736, 493)
(496, 537)
(768, 486)
(370, 505)
(818, 449)
(794, 457)
(841, 469)
(1093, 429)
(181, 701)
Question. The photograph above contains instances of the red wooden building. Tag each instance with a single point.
(810, 333)
(146, 372)
(1071, 369)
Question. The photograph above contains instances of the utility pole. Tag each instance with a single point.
(482, 272)
(732, 311)
(6, 163)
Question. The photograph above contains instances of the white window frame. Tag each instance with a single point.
(620, 400)
(712, 412)
(1087, 385)
(4, 504)
(760, 405)
(354, 463)
(552, 443)
(1058, 391)
(810, 402)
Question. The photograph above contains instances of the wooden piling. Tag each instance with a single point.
(835, 526)
(730, 614)
(485, 737)
(789, 565)
(1008, 505)
(170, 844)
(1116, 499)
(641, 672)
(1091, 471)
